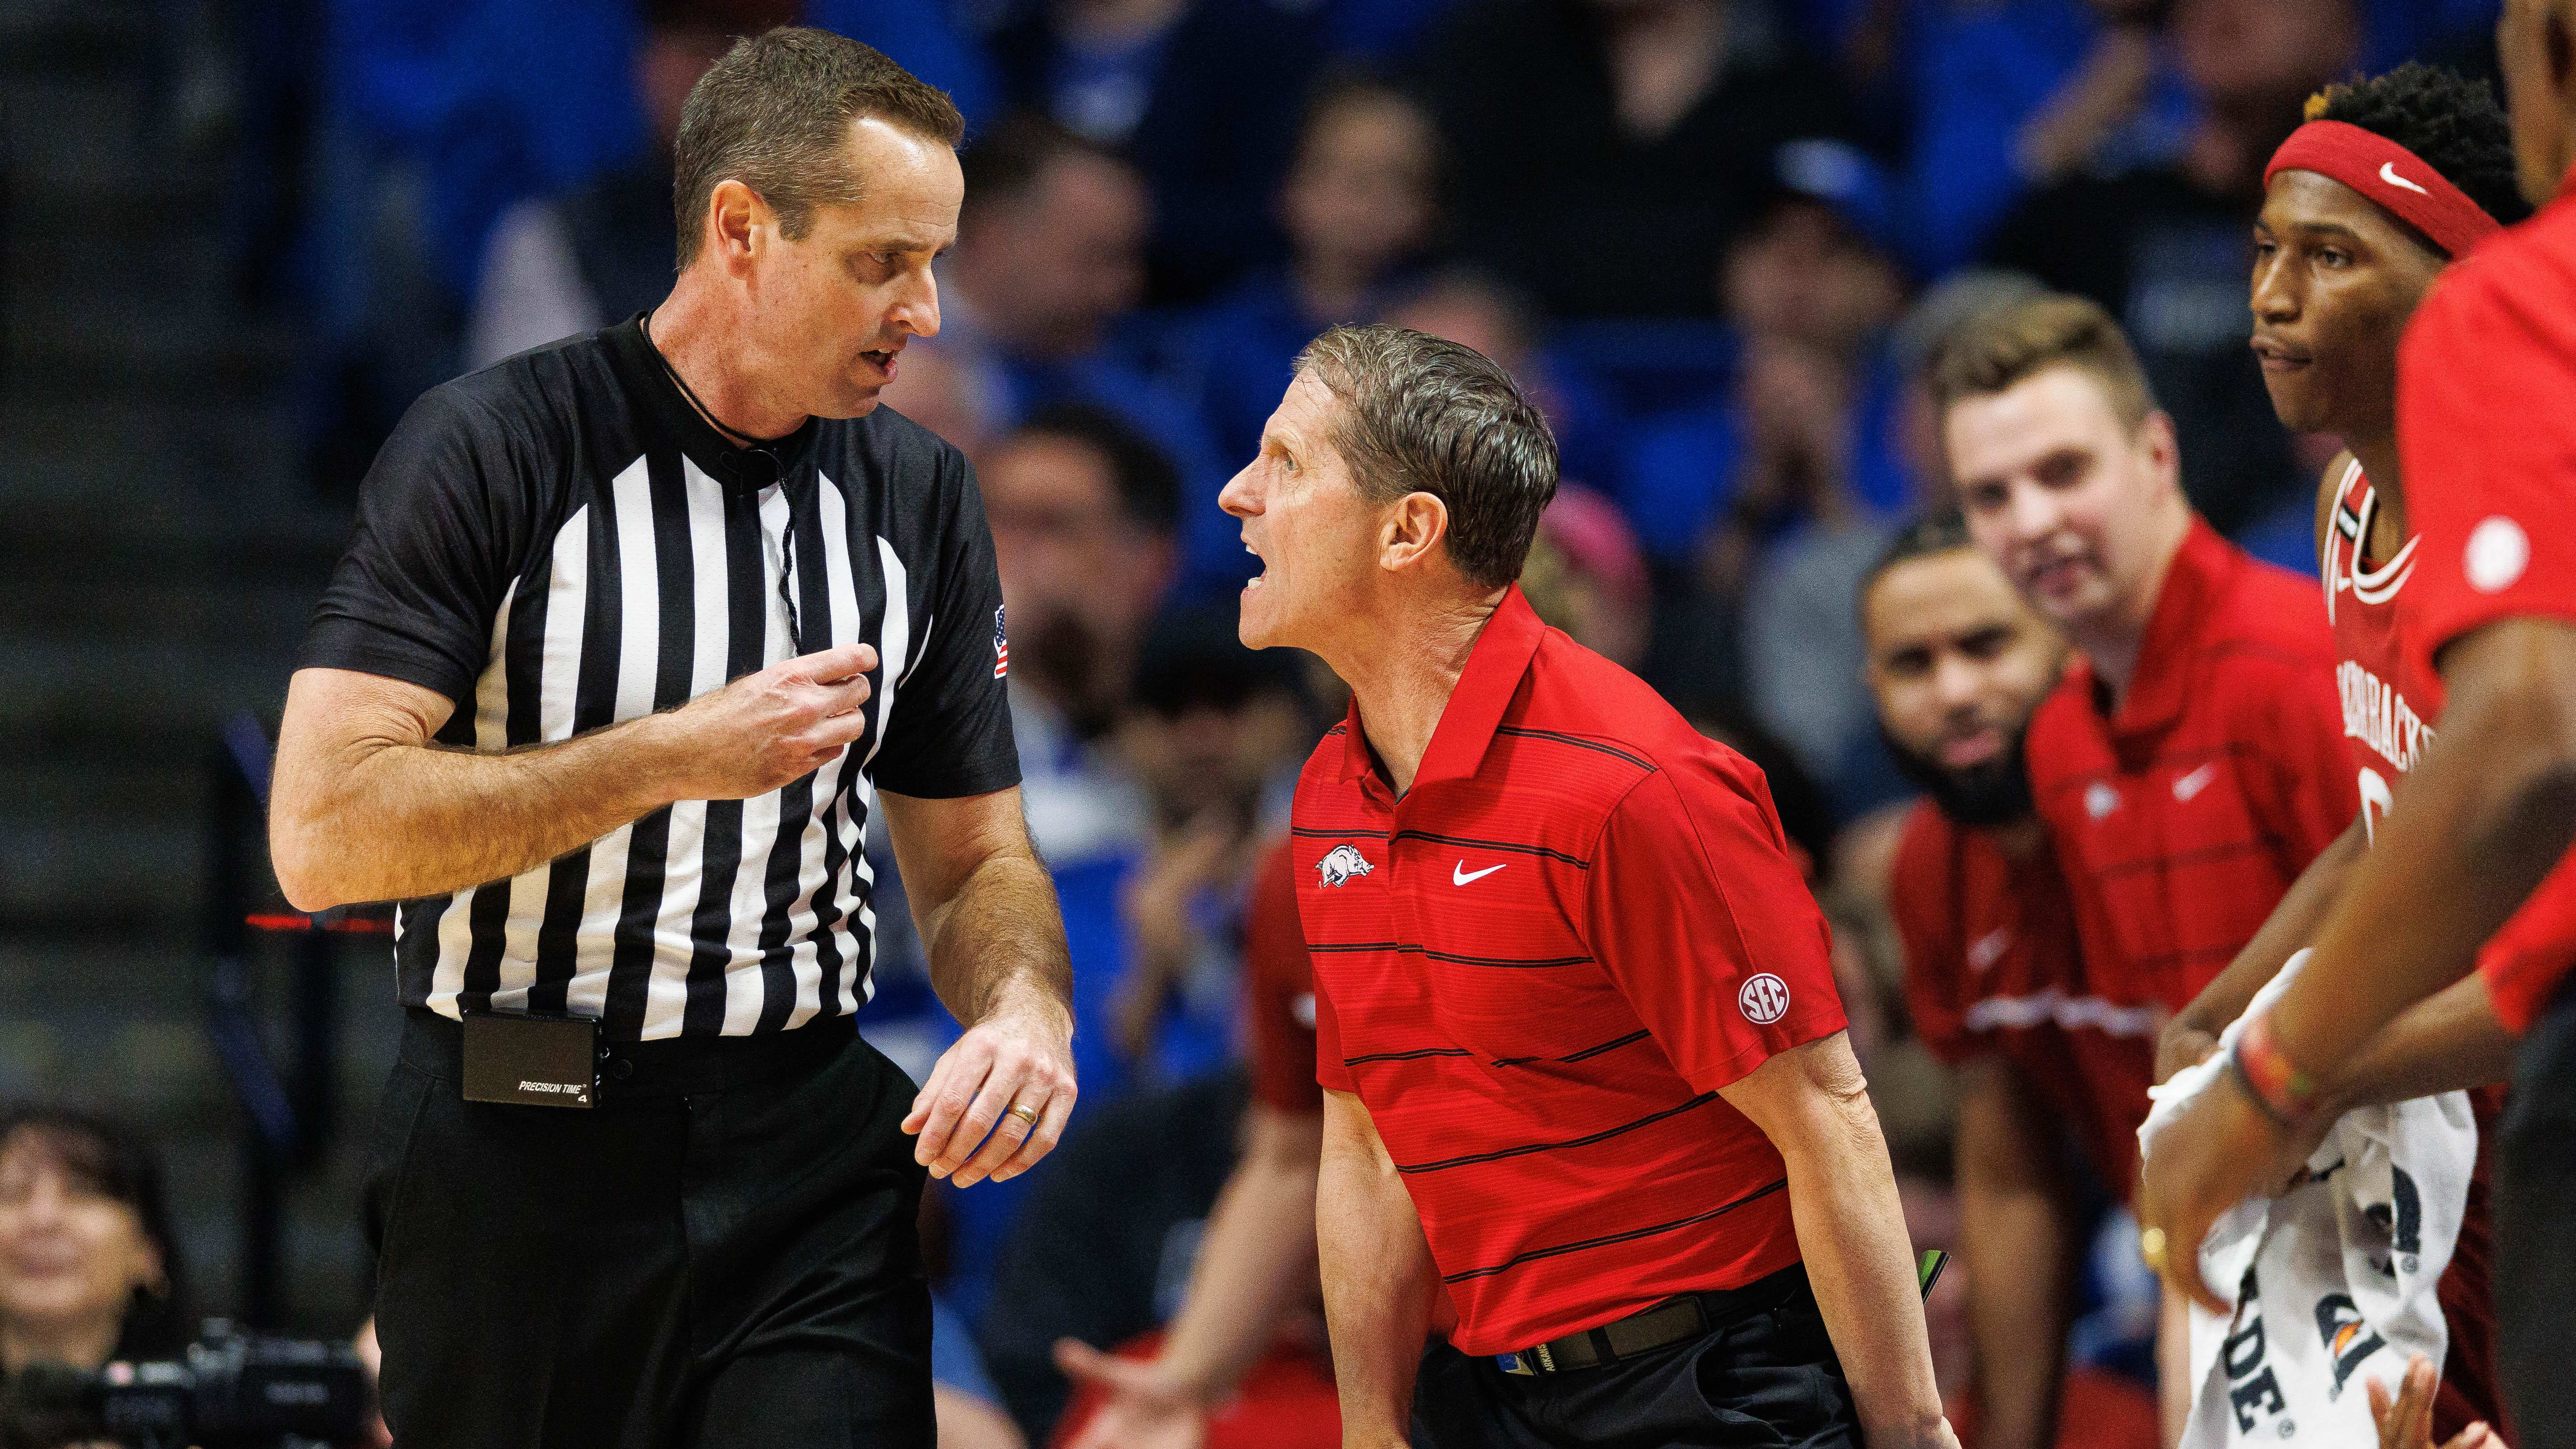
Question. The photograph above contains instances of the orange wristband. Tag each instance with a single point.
(2286, 1094)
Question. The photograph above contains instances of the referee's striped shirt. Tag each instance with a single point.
(559, 543)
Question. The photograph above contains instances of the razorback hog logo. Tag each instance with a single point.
(1341, 863)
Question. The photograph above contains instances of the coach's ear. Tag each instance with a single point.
(1412, 531)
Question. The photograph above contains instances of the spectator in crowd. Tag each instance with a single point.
(1466, 305)
(1769, 501)
(2163, 247)
(1995, 979)
(1586, 575)
(1361, 201)
(601, 252)
(1214, 733)
(1049, 258)
(89, 1270)
(1603, 151)
(2022, 95)
(1195, 93)
(1083, 508)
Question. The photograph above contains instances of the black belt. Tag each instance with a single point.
(1675, 1320)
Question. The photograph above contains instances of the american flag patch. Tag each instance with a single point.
(1001, 646)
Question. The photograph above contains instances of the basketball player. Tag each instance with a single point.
(2349, 240)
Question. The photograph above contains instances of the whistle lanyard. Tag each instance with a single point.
(777, 474)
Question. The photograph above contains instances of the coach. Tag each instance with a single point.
(636, 632)
(1585, 1069)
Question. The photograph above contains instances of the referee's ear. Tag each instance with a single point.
(735, 218)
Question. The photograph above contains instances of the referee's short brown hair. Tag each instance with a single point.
(1421, 414)
(775, 113)
(1997, 350)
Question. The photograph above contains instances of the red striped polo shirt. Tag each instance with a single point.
(1537, 969)
(2182, 816)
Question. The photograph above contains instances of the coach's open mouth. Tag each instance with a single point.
(1255, 581)
(882, 359)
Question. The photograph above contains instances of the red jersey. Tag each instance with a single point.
(1536, 970)
(1992, 966)
(2389, 697)
(1279, 989)
(2182, 817)
(2486, 426)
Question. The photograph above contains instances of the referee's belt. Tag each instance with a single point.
(1675, 1320)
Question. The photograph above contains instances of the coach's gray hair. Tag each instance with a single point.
(775, 113)
(1421, 414)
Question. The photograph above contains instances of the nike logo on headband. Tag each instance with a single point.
(2388, 173)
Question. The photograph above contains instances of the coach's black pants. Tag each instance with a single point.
(721, 1253)
(2535, 1237)
(1767, 1378)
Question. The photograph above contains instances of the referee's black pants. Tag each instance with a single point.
(2535, 1231)
(722, 1252)
(1765, 1376)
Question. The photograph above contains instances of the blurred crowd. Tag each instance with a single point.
(1717, 240)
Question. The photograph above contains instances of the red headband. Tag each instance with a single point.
(2389, 174)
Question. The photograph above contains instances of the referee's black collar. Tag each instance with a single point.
(740, 469)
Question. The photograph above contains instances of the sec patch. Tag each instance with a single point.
(1763, 999)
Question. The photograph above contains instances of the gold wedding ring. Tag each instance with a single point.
(1024, 1114)
(2151, 1246)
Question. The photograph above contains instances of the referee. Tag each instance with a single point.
(1585, 1070)
(635, 633)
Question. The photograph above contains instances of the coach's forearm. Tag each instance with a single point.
(381, 821)
(1377, 1277)
(1813, 1104)
(1257, 1253)
(2015, 1243)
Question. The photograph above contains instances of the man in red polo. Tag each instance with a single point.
(1583, 1062)
(1994, 980)
(2191, 763)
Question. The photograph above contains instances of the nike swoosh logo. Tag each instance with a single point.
(2195, 782)
(2388, 173)
(1988, 949)
(1459, 874)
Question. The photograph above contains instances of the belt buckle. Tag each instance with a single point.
(1528, 1362)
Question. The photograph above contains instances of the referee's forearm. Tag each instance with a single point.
(1377, 1275)
(999, 939)
(389, 821)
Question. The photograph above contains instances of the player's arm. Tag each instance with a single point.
(2484, 816)
(366, 807)
(1258, 1250)
(1378, 1277)
(2450, 1041)
(1813, 1104)
(994, 937)
(2193, 1033)
(2016, 1243)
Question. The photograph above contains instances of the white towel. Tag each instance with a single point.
(2333, 1280)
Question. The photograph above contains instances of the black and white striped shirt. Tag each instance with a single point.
(559, 543)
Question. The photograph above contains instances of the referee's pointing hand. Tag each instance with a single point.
(763, 730)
